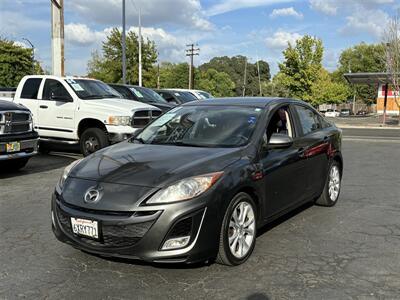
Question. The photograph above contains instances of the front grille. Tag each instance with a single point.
(15, 122)
(143, 117)
(112, 236)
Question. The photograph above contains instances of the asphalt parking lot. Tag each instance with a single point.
(350, 251)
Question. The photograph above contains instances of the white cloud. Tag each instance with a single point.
(280, 39)
(155, 12)
(286, 12)
(364, 20)
(225, 6)
(328, 7)
(81, 34)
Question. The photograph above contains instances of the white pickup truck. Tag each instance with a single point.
(81, 110)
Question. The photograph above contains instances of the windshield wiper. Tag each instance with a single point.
(140, 140)
(92, 97)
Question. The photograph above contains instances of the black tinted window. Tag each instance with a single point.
(123, 91)
(31, 88)
(54, 90)
(308, 119)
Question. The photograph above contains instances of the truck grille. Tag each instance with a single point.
(143, 117)
(15, 122)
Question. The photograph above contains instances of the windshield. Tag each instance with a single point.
(148, 94)
(202, 126)
(184, 96)
(205, 94)
(92, 89)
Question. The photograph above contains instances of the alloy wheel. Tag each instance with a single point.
(334, 183)
(241, 231)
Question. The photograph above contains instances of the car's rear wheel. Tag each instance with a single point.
(93, 139)
(238, 231)
(332, 187)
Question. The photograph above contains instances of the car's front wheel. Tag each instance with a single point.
(238, 231)
(332, 187)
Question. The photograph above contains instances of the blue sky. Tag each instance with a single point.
(256, 28)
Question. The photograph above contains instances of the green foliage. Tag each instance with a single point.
(324, 90)
(15, 63)
(108, 65)
(301, 66)
(174, 75)
(361, 58)
(219, 84)
(234, 67)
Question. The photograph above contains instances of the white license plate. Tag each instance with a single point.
(85, 227)
(13, 147)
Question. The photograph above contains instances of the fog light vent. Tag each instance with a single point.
(176, 243)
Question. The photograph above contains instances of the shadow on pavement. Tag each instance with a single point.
(38, 164)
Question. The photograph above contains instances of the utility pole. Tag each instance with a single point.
(57, 37)
(33, 55)
(140, 47)
(245, 77)
(123, 44)
(259, 76)
(191, 52)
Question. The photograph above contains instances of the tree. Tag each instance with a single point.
(301, 66)
(15, 63)
(107, 66)
(392, 54)
(234, 67)
(325, 90)
(361, 58)
(175, 75)
(219, 84)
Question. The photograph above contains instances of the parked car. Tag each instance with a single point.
(18, 140)
(197, 183)
(345, 112)
(332, 113)
(80, 110)
(362, 113)
(199, 94)
(142, 94)
(176, 97)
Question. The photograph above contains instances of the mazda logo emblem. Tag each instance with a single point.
(92, 195)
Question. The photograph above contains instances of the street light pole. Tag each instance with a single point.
(140, 47)
(33, 55)
(123, 44)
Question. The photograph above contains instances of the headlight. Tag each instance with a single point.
(66, 172)
(119, 120)
(185, 189)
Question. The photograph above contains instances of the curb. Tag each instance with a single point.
(367, 127)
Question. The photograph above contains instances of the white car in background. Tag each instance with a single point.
(199, 94)
(332, 113)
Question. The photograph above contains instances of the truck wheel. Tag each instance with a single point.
(93, 139)
(16, 164)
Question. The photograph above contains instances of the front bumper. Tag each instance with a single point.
(28, 146)
(140, 234)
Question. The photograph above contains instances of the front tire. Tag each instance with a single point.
(93, 139)
(238, 231)
(332, 187)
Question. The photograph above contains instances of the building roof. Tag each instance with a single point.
(368, 78)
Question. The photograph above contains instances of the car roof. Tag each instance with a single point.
(244, 101)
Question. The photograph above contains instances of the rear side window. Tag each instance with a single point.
(123, 91)
(309, 120)
(31, 88)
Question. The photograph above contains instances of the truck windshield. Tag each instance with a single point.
(92, 89)
(202, 126)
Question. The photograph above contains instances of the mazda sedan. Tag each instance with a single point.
(198, 182)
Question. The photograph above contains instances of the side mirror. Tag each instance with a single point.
(279, 140)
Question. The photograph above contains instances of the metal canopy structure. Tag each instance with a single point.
(368, 78)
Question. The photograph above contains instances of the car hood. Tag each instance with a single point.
(115, 105)
(152, 165)
(163, 106)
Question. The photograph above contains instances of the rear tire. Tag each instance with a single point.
(238, 231)
(93, 139)
(332, 187)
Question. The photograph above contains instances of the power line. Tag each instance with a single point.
(191, 51)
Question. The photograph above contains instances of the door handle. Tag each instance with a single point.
(44, 106)
(325, 138)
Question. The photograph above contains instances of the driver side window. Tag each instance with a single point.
(53, 90)
(280, 122)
